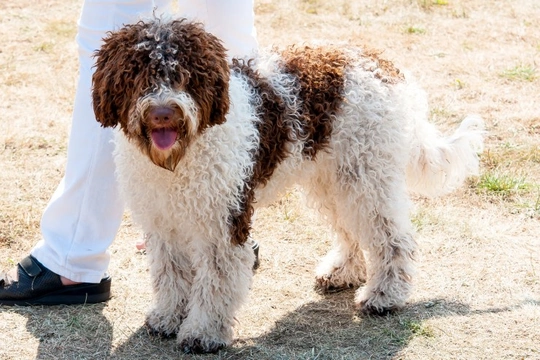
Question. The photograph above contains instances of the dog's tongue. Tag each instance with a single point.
(164, 138)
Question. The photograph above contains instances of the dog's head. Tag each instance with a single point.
(164, 83)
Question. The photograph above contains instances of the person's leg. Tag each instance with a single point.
(232, 21)
(83, 216)
(162, 8)
(85, 212)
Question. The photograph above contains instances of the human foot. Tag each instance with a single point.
(31, 283)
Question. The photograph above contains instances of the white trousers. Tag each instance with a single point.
(85, 212)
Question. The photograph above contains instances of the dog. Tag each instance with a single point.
(201, 142)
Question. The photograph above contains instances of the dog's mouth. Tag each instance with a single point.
(164, 138)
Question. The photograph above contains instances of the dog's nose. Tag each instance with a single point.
(161, 115)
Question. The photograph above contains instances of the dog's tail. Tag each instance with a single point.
(437, 164)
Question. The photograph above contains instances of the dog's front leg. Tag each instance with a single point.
(171, 274)
(221, 284)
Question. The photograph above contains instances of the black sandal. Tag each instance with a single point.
(37, 285)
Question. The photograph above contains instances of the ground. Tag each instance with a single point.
(477, 292)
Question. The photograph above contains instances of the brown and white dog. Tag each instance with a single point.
(202, 142)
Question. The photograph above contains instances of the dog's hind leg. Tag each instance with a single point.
(376, 205)
(369, 208)
(344, 266)
(390, 248)
(171, 274)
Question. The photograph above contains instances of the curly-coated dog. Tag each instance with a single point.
(203, 142)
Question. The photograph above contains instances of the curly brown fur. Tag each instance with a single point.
(383, 69)
(321, 74)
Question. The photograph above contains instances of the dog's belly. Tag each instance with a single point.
(293, 171)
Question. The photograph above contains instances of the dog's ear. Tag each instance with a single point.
(205, 59)
(119, 71)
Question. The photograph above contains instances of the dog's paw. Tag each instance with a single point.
(335, 279)
(377, 303)
(325, 285)
(198, 346)
(369, 309)
(163, 326)
(338, 272)
(152, 331)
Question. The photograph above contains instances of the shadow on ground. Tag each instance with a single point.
(67, 332)
(326, 329)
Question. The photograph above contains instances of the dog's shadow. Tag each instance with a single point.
(326, 329)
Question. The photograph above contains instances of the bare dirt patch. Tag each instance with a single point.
(477, 293)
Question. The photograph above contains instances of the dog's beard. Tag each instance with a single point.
(167, 159)
(164, 144)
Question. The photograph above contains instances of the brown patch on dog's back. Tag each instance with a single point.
(321, 76)
(384, 70)
(320, 80)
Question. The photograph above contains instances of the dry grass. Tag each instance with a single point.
(477, 292)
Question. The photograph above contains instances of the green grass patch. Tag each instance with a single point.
(45, 47)
(419, 221)
(407, 330)
(311, 6)
(417, 328)
(428, 4)
(459, 84)
(520, 73)
(443, 116)
(415, 30)
(502, 184)
(422, 219)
